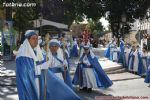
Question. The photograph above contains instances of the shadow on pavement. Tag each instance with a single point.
(94, 95)
(6, 91)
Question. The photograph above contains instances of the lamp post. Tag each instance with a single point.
(40, 20)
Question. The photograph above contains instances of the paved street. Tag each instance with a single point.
(125, 83)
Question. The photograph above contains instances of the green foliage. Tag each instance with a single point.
(134, 9)
(24, 15)
(95, 9)
(95, 27)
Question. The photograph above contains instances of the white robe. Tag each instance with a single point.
(53, 62)
(144, 54)
(115, 54)
(26, 50)
(127, 51)
(136, 61)
(130, 62)
(89, 79)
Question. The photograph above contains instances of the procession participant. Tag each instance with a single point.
(41, 44)
(122, 54)
(110, 50)
(51, 80)
(127, 51)
(89, 73)
(68, 47)
(64, 47)
(131, 59)
(147, 78)
(27, 72)
(57, 62)
(136, 59)
(143, 61)
(74, 49)
(144, 41)
(29, 78)
(115, 54)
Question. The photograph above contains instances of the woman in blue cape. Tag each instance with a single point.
(58, 86)
(28, 56)
(122, 53)
(136, 59)
(56, 89)
(109, 53)
(131, 59)
(29, 78)
(127, 51)
(57, 62)
(147, 78)
(89, 73)
(143, 64)
(74, 50)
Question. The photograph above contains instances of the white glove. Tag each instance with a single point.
(37, 70)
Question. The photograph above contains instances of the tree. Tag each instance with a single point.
(95, 27)
(95, 9)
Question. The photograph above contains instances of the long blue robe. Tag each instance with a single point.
(107, 52)
(25, 79)
(56, 89)
(147, 78)
(141, 69)
(131, 60)
(102, 79)
(74, 51)
(122, 54)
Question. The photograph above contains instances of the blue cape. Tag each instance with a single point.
(101, 77)
(141, 69)
(74, 51)
(56, 89)
(61, 70)
(147, 78)
(122, 54)
(25, 79)
(131, 57)
(107, 53)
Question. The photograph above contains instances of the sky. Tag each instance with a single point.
(104, 22)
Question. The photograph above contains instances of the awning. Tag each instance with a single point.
(36, 24)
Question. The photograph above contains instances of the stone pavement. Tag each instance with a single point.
(125, 83)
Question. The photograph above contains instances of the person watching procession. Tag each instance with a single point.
(89, 73)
